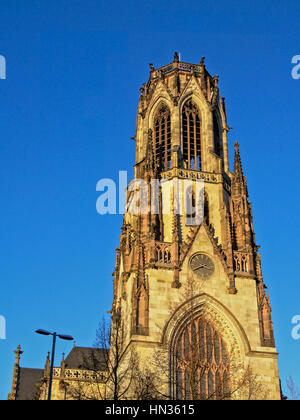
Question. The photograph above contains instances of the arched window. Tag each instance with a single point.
(190, 206)
(162, 138)
(196, 211)
(202, 363)
(191, 136)
(217, 137)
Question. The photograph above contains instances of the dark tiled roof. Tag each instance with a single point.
(87, 358)
(27, 381)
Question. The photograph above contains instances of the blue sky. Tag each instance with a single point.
(68, 111)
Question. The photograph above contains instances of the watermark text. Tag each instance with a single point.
(2, 328)
(296, 68)
(2, 67)
(296, 329)
(156, 196)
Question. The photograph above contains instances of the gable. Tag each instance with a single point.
(201, 240)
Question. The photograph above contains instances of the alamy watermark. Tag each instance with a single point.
(2, 67)
(2, 328)
(181, 197)
(296, 329)
(296, 68)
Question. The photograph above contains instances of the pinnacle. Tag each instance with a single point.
(238, 170)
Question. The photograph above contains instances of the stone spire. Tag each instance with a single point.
(244, 238)
(238, 169)
(13, 394)
(62, 366)
(47, 366)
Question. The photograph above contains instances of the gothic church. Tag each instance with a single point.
(190, 293)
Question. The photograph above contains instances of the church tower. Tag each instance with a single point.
(188, 282)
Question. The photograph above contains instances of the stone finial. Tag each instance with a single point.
(145, 89)
(18, 353)
(216, 80)
(202, 61)
(151, 67)
(62, 363)
(47, 365)
(176, 57)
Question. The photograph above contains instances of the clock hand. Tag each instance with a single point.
(199, 266)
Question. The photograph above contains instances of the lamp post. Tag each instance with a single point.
(62, 337)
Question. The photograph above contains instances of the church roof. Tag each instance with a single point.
(27, 383)
(87, 358)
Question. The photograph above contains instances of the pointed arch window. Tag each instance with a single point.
(201, 363)
(190, 206)
(191, 129)
(196, 208)
(217, 137)
(162, 138)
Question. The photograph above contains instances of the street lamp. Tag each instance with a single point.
(62, 337)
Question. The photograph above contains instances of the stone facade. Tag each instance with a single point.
(181, 119)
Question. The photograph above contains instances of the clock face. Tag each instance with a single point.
(202, 265)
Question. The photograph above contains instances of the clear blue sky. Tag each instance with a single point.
(68, 110)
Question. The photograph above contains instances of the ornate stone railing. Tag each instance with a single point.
(188, 67)
(191, 174)
(163, 70)
(78, 374)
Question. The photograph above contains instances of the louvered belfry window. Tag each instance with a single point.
(191, 129)
(202, 363)
(162, 142)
